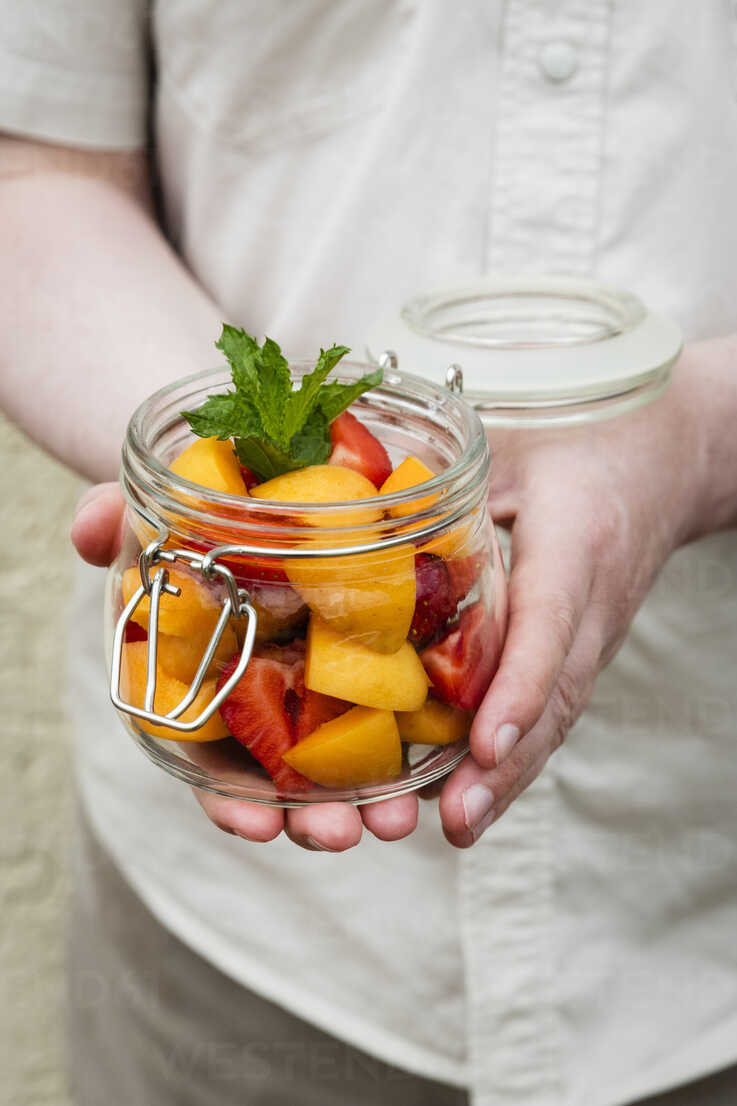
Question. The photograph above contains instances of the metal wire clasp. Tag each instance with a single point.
(236, 603)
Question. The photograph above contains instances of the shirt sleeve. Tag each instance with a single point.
(75, 72)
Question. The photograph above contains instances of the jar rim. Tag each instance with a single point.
(147, 482)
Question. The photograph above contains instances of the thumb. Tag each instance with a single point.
(97, 528)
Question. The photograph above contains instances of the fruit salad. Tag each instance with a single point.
(359, 655)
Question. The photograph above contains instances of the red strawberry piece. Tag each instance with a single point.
(355, 447)
(270, 709)
(462, 664)
(267, 570)
(245, 569)
(259, 712)
(435, 602)
(134, 632)
(249, 479)
(316, 709)
(464, 572)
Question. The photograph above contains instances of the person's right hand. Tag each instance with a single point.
(331, 827)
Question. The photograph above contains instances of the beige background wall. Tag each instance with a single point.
(36, 501)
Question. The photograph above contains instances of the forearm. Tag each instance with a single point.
(97, 310)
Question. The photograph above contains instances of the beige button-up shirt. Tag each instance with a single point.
(321, 162)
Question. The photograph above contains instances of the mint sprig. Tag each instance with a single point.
(276, 428)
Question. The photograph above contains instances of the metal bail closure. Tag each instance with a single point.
(236, 604)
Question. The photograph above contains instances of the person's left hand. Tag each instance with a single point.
(594, 514)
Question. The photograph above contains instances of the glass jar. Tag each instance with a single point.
(307, 652)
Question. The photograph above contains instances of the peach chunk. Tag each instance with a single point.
(194, 613)
(369, 597)
(412, 471)
(338, 665)
(211, 463)
(181, 656)
(322, 484)
(359, 747)
(434, 724)
(169, 692)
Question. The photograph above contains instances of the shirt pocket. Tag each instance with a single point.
(263, 74)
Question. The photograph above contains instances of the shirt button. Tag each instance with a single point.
(558, 61)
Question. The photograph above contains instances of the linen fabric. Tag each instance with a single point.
(321, 163)
(150, 1021)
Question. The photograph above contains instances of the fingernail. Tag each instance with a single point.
(311, 843)
(505, 740)
(478, 808)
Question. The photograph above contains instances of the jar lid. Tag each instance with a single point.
(535, 349)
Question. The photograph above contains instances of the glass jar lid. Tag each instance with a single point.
(535, 349)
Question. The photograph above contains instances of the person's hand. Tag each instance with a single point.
(594, 514)
(332, 827)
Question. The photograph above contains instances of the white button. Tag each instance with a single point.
(558, 60)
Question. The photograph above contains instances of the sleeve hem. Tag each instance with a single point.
(90, 110)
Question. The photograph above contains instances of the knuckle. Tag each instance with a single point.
(568, 701)
(511, 771)
(602, 531)
(564, 623)
(538, 693)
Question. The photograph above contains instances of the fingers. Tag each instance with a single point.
(252, 821)
(97, 528)
(549, 587)
(474, 797)
(392, 819)
(325, 827)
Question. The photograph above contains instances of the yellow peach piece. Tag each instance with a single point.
(181, 656)
(322, 484)
(338, 665)
(359, 747)
(211, 463)
(434, 723)
(191, 614)
(169, 692)
(369, 597)
(450, 544)
(412, 471)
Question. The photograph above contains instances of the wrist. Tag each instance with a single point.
(702, 401)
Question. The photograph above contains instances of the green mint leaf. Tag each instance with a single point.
(274, 392)
(224, 416)
(263, 458)
(302, 402)
(311, 444)
(242, 352)
(274, 427)
(334, 398)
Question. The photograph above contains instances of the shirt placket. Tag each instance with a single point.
(544, 217)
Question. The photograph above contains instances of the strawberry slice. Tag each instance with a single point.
(249, 479)
(462, 664)
(267, 570)
(315, 709)
(464, 572)
(134, 632)
(270, 709)
(355, 447)
(435, 602)
(259, 710)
